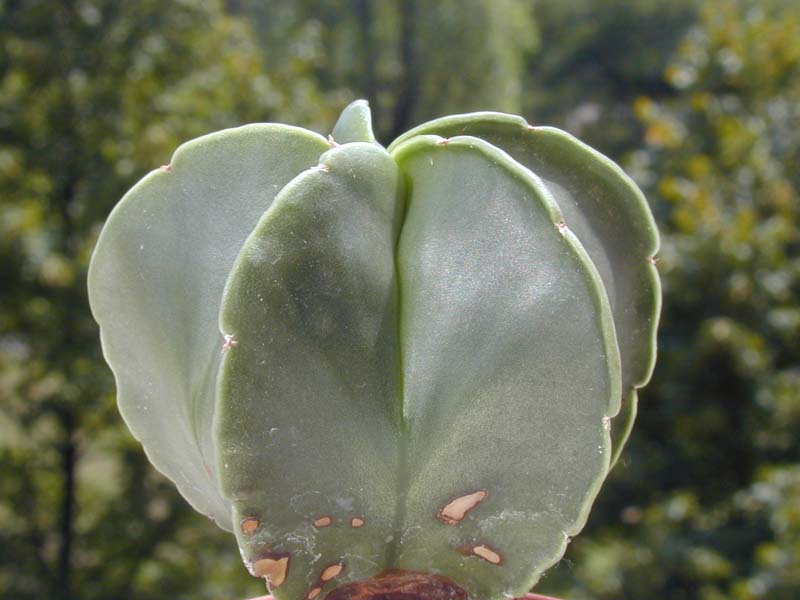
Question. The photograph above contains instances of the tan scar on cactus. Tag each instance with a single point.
(484, 552)
(314, 592)
(357, 522)
(454, 511)
(331, 571)
(273, 568)
(321, 522)
(249, 525)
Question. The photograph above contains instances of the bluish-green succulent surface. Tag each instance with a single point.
(423, 357)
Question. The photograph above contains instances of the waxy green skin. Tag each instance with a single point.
(360, 359)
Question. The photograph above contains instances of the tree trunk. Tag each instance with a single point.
(409, 87)
(68, 451)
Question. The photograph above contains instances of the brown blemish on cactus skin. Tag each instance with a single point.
(332, 143)
(323, 167)
(321, 522)
(272, 567)
(443, 142)
(488, 554)
(562, 226)
(454, 511)
(653, 260)
(166, 168)
(314, 592)
(331, 572)
(249, 525)
(357, 522)
(328, 573)
(484, 552)
(396, 584)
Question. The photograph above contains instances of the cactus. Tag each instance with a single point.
(383, 367)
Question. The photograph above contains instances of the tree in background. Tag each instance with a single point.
(412, 60)
(708, 502)
(596, 57)
(92, 95)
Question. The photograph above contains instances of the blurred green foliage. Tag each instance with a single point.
(699, 100)
(706, 504)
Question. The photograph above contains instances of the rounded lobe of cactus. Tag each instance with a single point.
(394, 354)
(610, 216)
(155, 287)
(308, 410)
(510, 367)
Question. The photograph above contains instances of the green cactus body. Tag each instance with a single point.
(362, 359)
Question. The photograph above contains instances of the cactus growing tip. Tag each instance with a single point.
(354, 124)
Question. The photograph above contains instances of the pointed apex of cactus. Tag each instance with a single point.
(354, 124)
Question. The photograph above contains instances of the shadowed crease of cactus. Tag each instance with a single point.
(410, 366)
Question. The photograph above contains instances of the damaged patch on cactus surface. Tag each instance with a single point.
(483, 551)
(427, 363)
(322, 522)
(331, 572)
(314, 592)
(273, 568)
(457, 509)
(249, 525)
